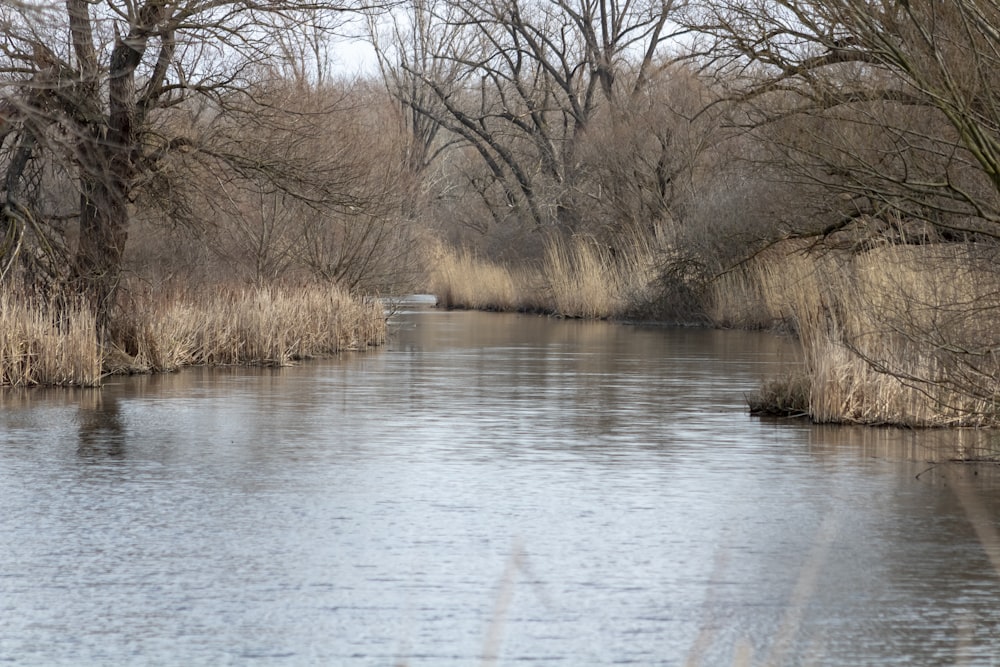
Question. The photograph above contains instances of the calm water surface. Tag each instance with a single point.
(487, 489)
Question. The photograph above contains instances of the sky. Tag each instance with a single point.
(354, 57)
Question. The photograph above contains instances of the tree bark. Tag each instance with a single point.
(104, 222)
(107, 157)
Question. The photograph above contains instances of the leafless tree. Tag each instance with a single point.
(108, 97)
(521, 82)
(888, 115)
(891, 108)
(334, 212)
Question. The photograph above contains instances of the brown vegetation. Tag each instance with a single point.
(158, 156)
(461, 279)
(41, 344)
(901, 335)
(573, 279)
(272, 325)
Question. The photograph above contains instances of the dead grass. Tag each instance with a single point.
(41, 344)
(784, 396)
(586, 279)
(901, 335)
(579, 278)
(247, 326)
(462, 279)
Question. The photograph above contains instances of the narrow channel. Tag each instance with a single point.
(487, 490)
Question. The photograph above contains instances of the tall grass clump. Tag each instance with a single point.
(47, 344)
(50, 344)
(273, 325)
(576, 277)
(463, 279)
(919, 330)
(588, 279)
(902, 335)
(764, 292)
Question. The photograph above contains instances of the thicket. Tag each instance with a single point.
(885, 116)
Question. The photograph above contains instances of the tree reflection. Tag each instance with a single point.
(102, 433)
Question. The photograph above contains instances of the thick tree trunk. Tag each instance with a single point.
(107, 165)
(103, 233)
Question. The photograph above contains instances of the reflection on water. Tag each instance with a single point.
(488, 489)
(102, 434)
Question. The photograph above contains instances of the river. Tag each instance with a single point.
(487, 490)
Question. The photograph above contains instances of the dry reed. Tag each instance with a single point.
(895, 335)
(263, 326)
(46, 345)
(43, 344)
(462, 279)
(578, 278)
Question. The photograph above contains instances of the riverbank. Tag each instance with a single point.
(903, 335)
(41, 344)
(576, 279)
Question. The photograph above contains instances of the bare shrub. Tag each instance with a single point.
(334, 209)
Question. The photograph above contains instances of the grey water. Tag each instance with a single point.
(487, 490)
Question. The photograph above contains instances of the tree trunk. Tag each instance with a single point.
(103, 233)
(107, 165)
